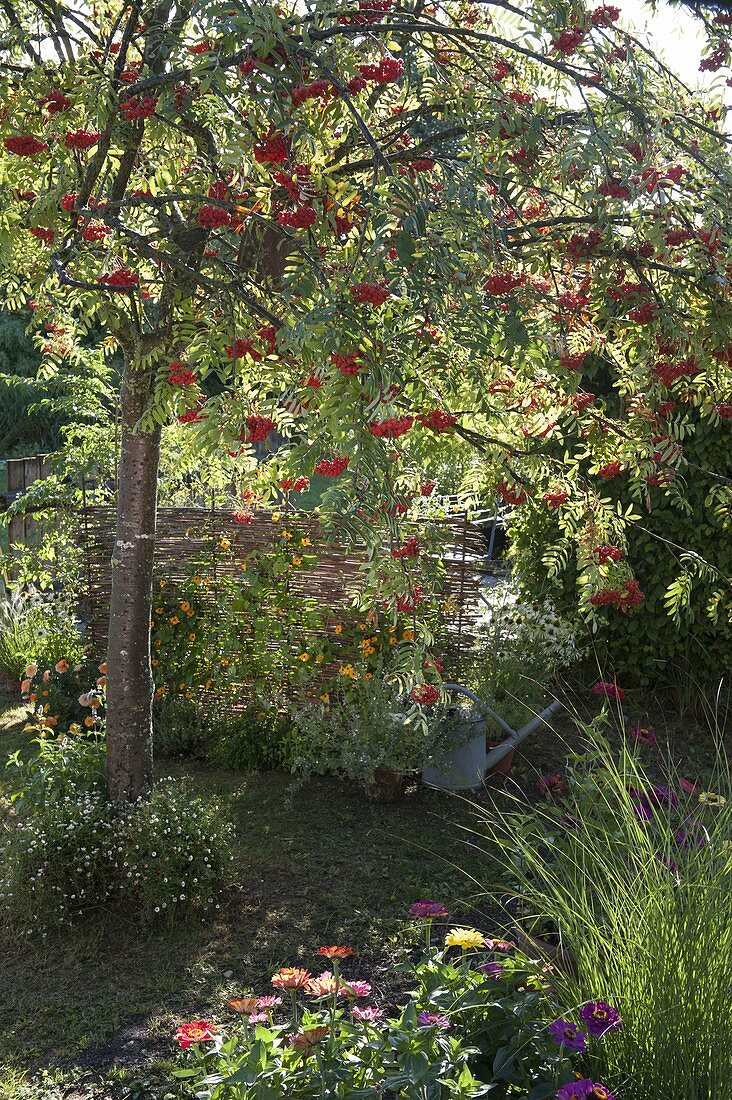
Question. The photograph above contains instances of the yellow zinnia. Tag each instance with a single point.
(710, 798)
(464, 937)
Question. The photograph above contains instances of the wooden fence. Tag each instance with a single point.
(189, 540)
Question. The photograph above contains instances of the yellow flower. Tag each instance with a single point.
(162, 584)
(392, 641)
(286, 534)
(276, 516)
(338, 629)
(709, 798)
(464, 937)
(158, 641)
(181, 685)
(408, 635)
(225, 662)
(161, 691)
(243, 566)
(304, 657)
(319, 657)
(185, 606)
(305, 542)
(208, 684)
(158, 610)
(368, 675)
(155, 662)
(325, 697)
(196, 579)
(173, 620)
(362, 627)
(225, 544)
(349, 671)
(191, 637)
(74, 728)
(297, 561)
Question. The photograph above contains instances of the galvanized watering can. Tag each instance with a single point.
(468, 760)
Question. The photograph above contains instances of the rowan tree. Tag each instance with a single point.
(389, 230)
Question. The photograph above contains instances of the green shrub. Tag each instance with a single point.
(632, 879)
(167, 855)
(257, 740)
(60, 768)
(646, 647)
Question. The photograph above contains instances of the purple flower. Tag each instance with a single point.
(427, 910)
(609, 690)
(642, 807)
(568, 1035)
(259, 1018)
(584, 1090)
(492, 969)
(691, 835)
(663, 796)
(553, 784)
(643, 735)
(599, 1017)
(432, 1019)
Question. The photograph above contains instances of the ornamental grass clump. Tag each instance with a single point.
(629, 880)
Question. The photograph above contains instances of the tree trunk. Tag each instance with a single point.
(129, 672)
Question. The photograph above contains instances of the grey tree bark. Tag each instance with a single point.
(129, 672)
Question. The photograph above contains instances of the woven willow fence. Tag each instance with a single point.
(189, 539)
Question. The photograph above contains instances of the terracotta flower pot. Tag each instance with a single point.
(386, 785)
(504, 765)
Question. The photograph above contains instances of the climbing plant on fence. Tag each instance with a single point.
(382, 227)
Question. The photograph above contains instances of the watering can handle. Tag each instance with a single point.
(483, 706)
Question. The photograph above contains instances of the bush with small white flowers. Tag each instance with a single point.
(169, 853)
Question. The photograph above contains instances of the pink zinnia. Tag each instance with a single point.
(643, 735)
(197, 1031)
(610, 691)
(367, 1013)
(356, 989)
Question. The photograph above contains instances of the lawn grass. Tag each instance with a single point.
(99, 1003)
(331, 867)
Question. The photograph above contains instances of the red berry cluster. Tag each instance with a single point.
(425, 694)
(205, 46)
(605, 15)
(501, 385)
(556, 498)
(501, 283)
(427, 488)
(569, 41)
(272, 149)
(240, 348)
(724, 410)
(55, 102)
(138, 107)
(347, 364)
(421, 164)
(313, 381)
(369, 11)
(95, 232)
(257, 428)
(45, 235)
(625, 289)
(213, 217)
(437, 420)
(624, 598)
(268, 335)
(189, 417)
(121, 279)
(608, 553)
(387, 71)
(81, 139)
(410, 548)
(179, 374)
(668, 373)
(392, 427)
(302, 217)
(129, 76)
(573, 362)
(610, 469)
(572, 300)
(661, 177)
(582, 400)
(408, 604)
(294, 484)
(715, 60)
(373, 293)
(677, 236)
(511, 494)
(644, 314)
(317, 89)
(614, 189)
(68, 202)
(580, 246)
(243, 516)
(24, 145)
(332, 467)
